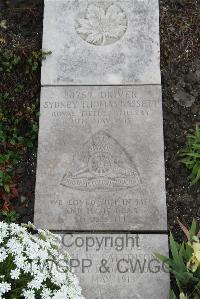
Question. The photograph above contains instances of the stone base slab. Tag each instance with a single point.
(119, 266)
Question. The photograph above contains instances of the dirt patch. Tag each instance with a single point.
(180, 66)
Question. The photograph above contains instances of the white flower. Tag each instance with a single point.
(4, 232)
(5, 287)
(29, 225)
(14, 246)
(14, 274)
(29, 294)
(35, 283)
(46, 293)
(19, 261)
(3, 254)
(58, 295)
(27, 267)
(32, 251)
(16, 229)
(40, 257)
(3, 226)
(43, 254)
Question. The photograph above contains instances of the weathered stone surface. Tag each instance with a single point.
(101, 42)
(119, 266)
(100, 159)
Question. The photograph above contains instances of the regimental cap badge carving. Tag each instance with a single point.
(102, 165)
(102, 24)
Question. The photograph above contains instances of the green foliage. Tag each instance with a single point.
(4, 96)
(34, 60)
(191, 156)
(9, 216)
(5, 179)
(8, 160)
(181, 296)
(19, 104)
(8, 60)
(12, 131)
(16, 135)
(18, 129)
(184, 263)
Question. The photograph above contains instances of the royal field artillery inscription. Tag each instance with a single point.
(104, 166)
(100, 165)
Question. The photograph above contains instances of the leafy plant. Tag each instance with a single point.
(4, 96)
(173, 296)
(19, 92)
(8, 160)
(8, 60)
(13, 131)
(191, 156)
(184, 263)
(8, 216)
(18, 127)
(34, 60)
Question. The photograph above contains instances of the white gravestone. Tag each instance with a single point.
(100, 174)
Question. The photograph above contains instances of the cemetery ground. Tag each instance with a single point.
(20, 61)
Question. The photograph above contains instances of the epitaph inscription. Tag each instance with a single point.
(100, 159)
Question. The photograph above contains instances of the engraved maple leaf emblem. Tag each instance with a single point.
(102, 26)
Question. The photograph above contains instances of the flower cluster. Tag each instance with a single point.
(32, 265)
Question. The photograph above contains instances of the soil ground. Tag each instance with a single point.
(180, 66)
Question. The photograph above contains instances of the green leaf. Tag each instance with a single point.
(193, 230)
(172, 295)
(7, 188)
(182, 296)
(162, 258)
(188, 252)
(178, 255)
